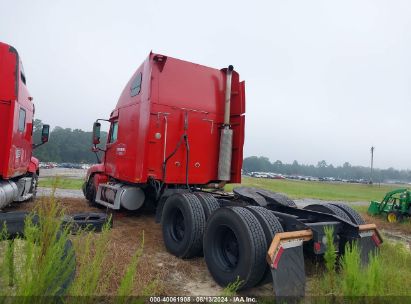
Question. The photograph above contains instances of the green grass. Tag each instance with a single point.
(231, 289)
(318, 190)
(61, 183)
(387, 274)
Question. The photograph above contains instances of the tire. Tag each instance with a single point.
(90, 221)
(330, 209)
(15, 222)
(354, 216)
(271, 225)
(209, 203)
(183, 224)
(90, 192)
(33, 187)
(394, 217)
(235, 247)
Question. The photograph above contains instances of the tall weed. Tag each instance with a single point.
(330, 258)
(388, 273)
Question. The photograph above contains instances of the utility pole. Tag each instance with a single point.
(372, 163)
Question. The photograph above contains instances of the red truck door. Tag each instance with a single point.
(111, 148)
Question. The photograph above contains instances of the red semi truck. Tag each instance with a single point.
(19, 170)
(176, 138)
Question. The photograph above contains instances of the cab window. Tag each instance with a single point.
(22, 120)
(136, 85)
(114, 132)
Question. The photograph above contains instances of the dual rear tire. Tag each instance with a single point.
(183, 222)
(234, 240)
(235, 247)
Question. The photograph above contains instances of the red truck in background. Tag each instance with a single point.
(19, 170)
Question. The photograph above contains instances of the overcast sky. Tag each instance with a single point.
(324, 79)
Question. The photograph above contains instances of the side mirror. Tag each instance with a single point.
(45, 133)
(96, 133)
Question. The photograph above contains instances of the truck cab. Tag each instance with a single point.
(168, 131)
(18, 168)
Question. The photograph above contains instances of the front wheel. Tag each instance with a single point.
(34, 184)
(89, 191)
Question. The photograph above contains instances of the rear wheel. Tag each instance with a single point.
(354, 216)
(183, 224)
(394, 217)
(271, 225)
(235, 247)
(209, 203)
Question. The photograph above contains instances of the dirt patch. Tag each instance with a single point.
(382, 224)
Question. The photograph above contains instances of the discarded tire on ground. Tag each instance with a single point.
(209, 203)
(14, 222)
(354, 216)
(271, 225)
(183, 224)
(89, 221)
(330, 209)
(235, 247)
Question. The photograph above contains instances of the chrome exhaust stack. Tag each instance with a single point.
(226, 138)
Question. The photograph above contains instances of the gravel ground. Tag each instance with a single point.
(68, 193)
(63, 172)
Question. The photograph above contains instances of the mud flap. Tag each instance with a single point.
(286, 259)
(288, 272)
(369, 241)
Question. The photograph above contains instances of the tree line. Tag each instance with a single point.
(323, 169)
(65, 145)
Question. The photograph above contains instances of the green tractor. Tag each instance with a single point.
(395, 205)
